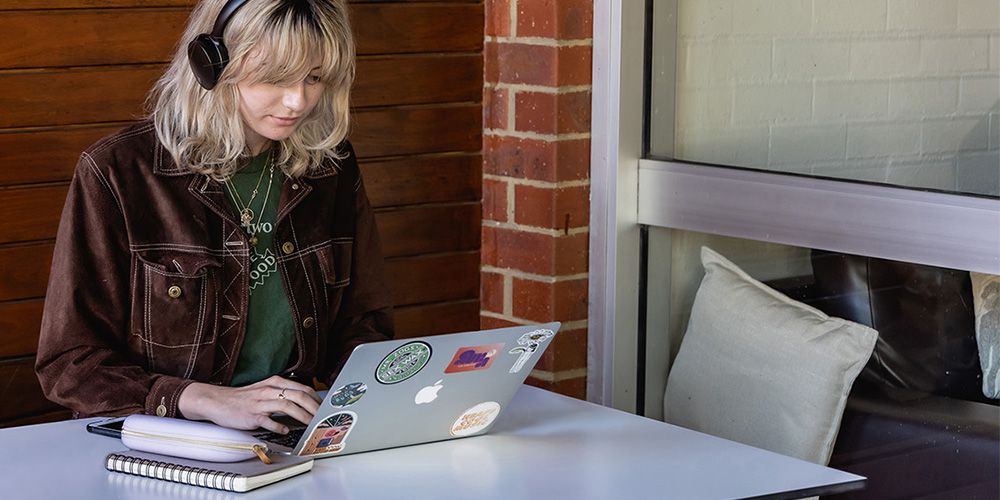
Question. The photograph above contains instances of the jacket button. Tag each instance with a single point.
(174, 292)
(308, 322)
(295, 186)
(287, 247)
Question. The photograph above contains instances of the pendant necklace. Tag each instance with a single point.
(246, 213)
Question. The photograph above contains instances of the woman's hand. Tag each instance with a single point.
(251, 406)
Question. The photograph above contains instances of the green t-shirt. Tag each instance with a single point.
(270, 336)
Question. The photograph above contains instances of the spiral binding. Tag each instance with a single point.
(173, 472)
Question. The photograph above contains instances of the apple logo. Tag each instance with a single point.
(429, 393)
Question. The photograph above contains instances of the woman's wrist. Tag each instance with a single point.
(191, 401)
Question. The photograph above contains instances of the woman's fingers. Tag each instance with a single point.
(304, 400)
(280, 382)
(287, 407)
(267, 423)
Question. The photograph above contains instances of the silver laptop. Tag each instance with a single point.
(419, 390)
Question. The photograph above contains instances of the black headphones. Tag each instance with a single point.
(207, 53)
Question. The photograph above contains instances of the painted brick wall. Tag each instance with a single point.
(900, 91)
(536, 188)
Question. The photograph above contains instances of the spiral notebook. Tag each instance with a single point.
(236, 476)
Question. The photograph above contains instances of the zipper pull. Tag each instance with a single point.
(261, 452)
(161, 411)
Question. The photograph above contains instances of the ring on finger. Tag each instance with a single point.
(281, 395)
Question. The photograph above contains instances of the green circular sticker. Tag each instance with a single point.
(403, 363)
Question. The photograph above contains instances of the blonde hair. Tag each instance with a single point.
(269, 41)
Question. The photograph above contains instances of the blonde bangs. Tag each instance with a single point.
(277, 42)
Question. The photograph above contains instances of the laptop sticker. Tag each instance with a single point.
(428, 394)
(330, 436)
(348, 394)
(403, 363)
(478, 357)
(528, 344)
(475, 419)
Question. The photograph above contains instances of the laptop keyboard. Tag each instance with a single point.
(287, 440)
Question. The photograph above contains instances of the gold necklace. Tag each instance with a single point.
(263, 206)
(246, 214)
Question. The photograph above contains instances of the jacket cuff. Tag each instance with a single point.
(164, 395)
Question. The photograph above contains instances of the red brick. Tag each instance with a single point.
(567, 352)
(559, 301)
(535, 112)
(495, 108)
(494, 200)
(574, 387)
(552, 113)
(535, 159)
(491, 292)
(497, 17)
(489, 323)
(573, 113)
(559, 19)
(574, 65)
(534, 253)
(552, 208)
(537, 64)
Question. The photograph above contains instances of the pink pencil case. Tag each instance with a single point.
(189, 439)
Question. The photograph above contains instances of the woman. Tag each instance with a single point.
(214, 259)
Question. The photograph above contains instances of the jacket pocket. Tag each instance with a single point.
(335, 262)
(174, 309)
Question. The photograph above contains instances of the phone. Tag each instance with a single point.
(111, 427)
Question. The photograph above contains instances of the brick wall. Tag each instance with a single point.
(900, 91)
(536, 163)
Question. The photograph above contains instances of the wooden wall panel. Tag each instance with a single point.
(417, 130)
(38, 39)
(25, 270)
(447, 317)
(44, 155)
(84, 37)
(84, 4)
(33, 211)
(81, 95)
(19, 322)
(429, 179)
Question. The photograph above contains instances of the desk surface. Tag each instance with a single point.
(543, 446)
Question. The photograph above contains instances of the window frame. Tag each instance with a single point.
(948, 230)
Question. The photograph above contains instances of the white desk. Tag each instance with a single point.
(543, 446)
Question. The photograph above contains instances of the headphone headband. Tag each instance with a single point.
(227, 11)
(207, 53)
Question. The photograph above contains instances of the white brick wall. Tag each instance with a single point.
(926, 15)
(954, 55)
(796, 58)
(904, 91)
(925, 97)
(978, 14)
(848, 16)
(884, 57)
(771, 17)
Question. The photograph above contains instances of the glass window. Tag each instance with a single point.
(928, 393)
(902, 92)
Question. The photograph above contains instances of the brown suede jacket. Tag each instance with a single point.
(149, 283)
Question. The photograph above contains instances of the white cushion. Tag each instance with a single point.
(986, 297)
(760, 368)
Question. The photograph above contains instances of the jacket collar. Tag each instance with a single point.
(163, 164)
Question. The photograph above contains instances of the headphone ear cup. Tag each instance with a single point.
(208, 57)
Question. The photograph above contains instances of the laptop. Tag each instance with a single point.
(418, 390)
